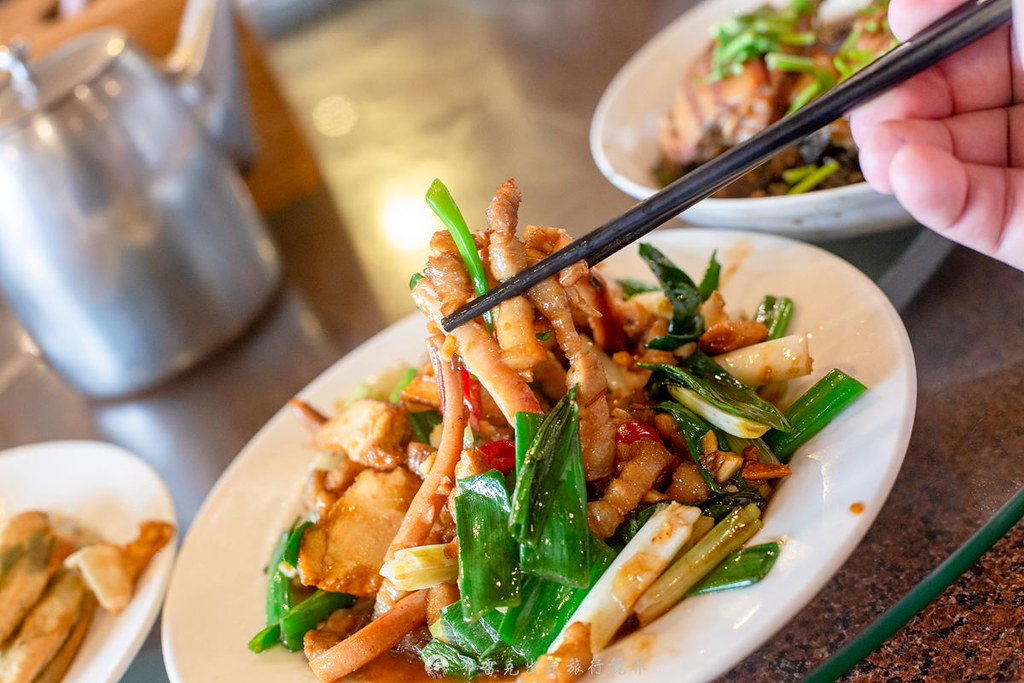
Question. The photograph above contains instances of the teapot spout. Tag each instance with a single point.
(206, 67)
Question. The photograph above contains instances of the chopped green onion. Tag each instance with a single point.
(631, 287)
(719, 506)
(794, 175)
(421, 567)
(634, 570)
(781, 61)
(797, 39)
(694, 428)
(844, 70)
(488, 555)
(775, 313)
(440, 200)
(743, 567)
(809, 414)
(807, 94)
(443, 660)
(403, 382)
(542, 467)
(851, 39)
(308, 613)
(712, 275)
(544, 336)
(423, 423)
(266, 638)
(478, 643)
(687, 323)
(547, 605)
(560, 552)
(726, 536)
(816, 178)
(416, 277)
(701, 374)
(279, 585)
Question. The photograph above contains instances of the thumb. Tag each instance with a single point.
(1018, 28)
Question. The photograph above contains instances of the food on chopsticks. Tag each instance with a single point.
(53, 573)
(546, 479)
(759, 67)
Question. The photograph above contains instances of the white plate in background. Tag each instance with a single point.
(623, 142)
(111, 491)
(216, 599)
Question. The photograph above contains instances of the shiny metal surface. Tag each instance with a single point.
(396, 92)
(129, 246)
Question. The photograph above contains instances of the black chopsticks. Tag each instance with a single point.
(963, 25)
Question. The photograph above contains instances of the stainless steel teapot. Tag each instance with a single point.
(129, 246)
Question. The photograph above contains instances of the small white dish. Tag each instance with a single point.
(111, 491)
(623, 142)
(216, 598)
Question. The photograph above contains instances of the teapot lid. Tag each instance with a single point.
(34, 86)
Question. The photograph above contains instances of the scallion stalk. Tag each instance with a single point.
(791, 176)
(775, 312)
(694, 429)
(266, 638)
(423, 423)
(743, 567)
(560, 551)
(700, 374)
(443, 204)
(809, 414)
(808, 93)
(542, 468)
(726, 536)
(547, 605)
(308, 613)
(782, 61)
(443, 660)
(488, 555)
(816, 178)
(403, 382)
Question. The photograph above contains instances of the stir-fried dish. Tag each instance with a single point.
(53, 574)
(552, 475)
(758, 68)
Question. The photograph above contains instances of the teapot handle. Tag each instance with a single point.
(206, 67)
(13, 60)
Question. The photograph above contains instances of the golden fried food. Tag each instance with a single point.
(30, 553)
(44, 630)
(53, 570)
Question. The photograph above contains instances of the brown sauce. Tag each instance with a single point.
(392, 667)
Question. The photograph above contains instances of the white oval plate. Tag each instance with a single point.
(215, 601)
(111, 491)
(623, 142)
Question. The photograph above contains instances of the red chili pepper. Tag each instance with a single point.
(471, 397)
(629, 432)
(501, 455)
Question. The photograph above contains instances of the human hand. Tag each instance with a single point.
(949, 143)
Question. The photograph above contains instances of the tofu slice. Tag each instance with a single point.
(368, 431)
(344, 551)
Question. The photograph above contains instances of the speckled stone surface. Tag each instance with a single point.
(965, 459)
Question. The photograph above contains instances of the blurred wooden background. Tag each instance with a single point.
(285, 170)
